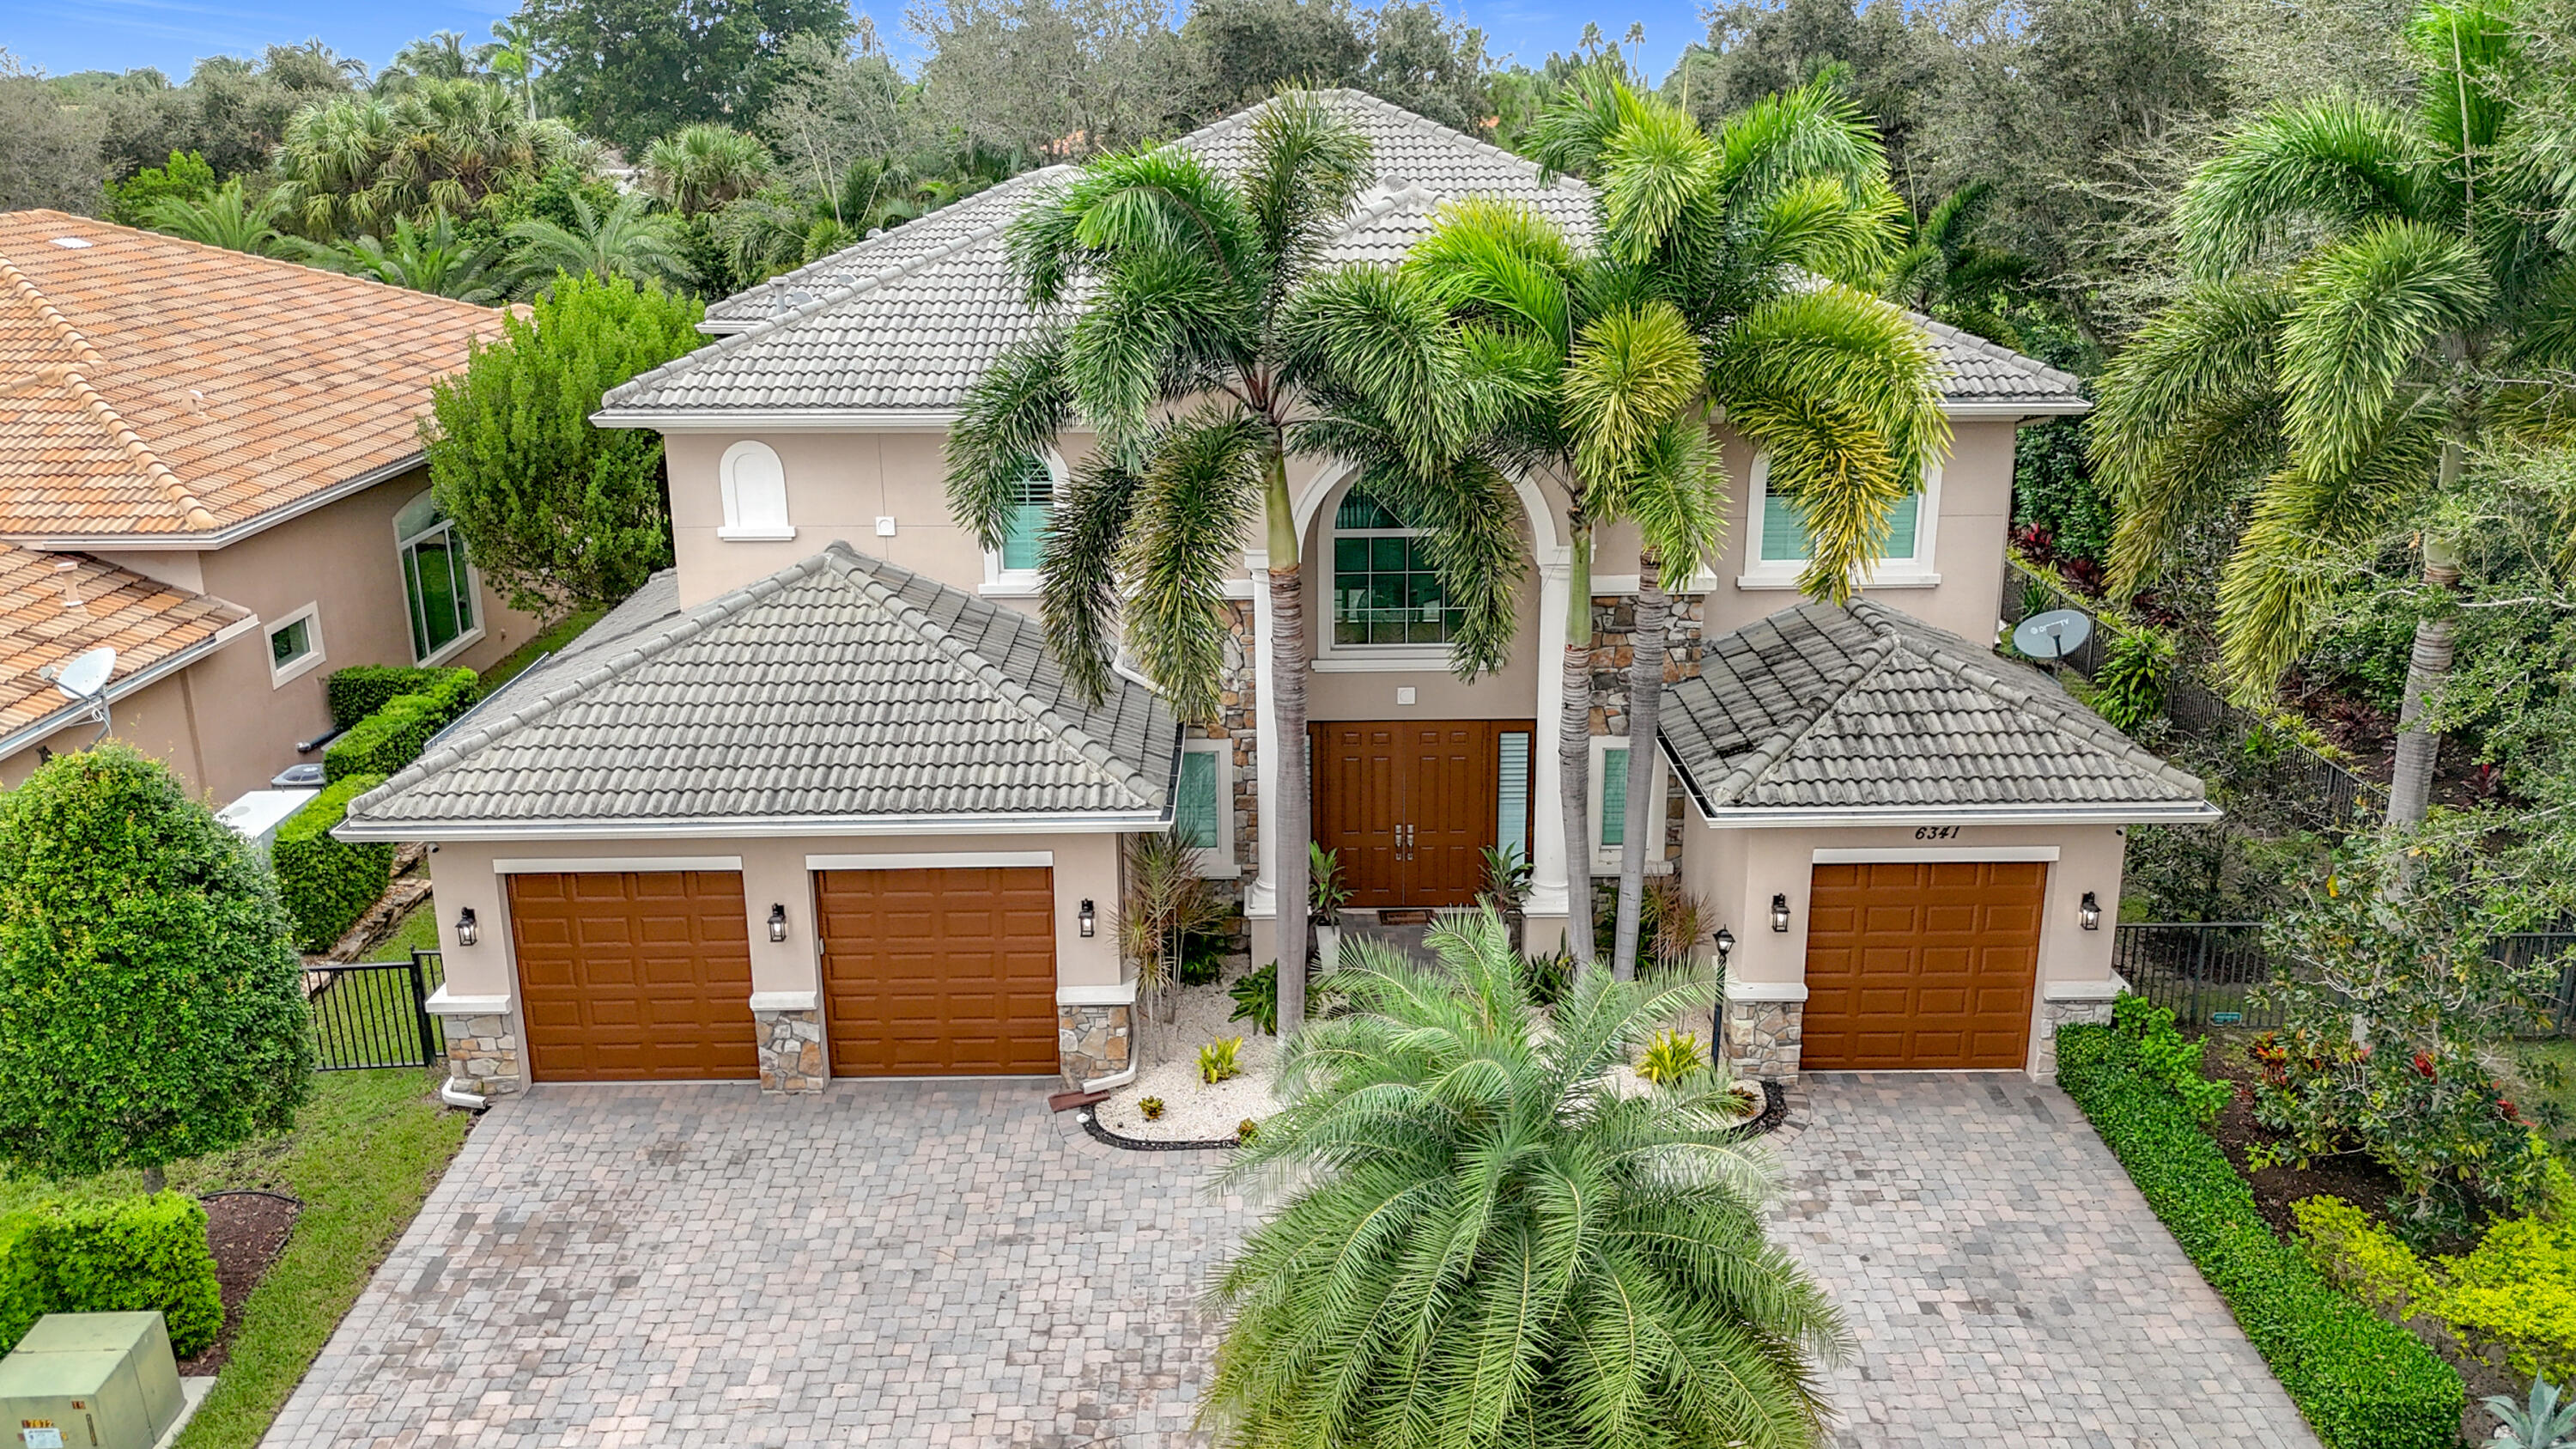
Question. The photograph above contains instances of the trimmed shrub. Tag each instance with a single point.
(393, 736)
(128, 1256)
(328, 883)
(2361, 1382)
(361, 689)
(2516, 1290)
(151, 1001)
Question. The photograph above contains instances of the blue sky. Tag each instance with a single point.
(70, 35)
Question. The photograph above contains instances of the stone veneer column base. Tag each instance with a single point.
(791, 1049)
(483, 1054)
(2069, 1003)
(1095, 1041)
(1762, 1038)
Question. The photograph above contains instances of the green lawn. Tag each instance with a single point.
(364, 1153)
(369, 1018)
(418, 932)
(562, 633)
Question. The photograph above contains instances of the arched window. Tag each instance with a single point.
(1385, 590)
(1015, 564)
(755, 493)
(437, 584)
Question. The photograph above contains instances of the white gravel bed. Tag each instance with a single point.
(1192, 1110)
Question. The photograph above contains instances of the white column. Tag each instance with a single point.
(1547, 797)
(1259, 901)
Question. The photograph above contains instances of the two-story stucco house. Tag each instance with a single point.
(819, 803)
(211, 463)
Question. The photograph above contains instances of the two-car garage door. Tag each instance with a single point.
(646, 975)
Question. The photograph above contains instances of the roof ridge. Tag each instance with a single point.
(645, 644)
(192, 511)
(892, 233)
(1995, 350)
(861, 569)
(699, 357)
(2078, 723)
(1775, 749)
(1448, 132)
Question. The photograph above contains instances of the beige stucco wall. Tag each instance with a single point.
(156, 719)
(774, 870)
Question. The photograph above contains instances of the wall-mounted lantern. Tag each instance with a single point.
(778, 922)
(1090, 920)
(1779, 911)
(2088, 914)
(467, 930)
(1725, 944)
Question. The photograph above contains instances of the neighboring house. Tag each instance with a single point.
(211, 461)
(818, 802)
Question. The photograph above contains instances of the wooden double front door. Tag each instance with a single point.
(1409, 806)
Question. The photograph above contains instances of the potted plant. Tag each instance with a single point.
(1326, 892)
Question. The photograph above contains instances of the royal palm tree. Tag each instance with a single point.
(703, 167)
(1184, 335)
(513, 55)
(2365, 280)
(1713, 297)
(627, 240)
(427, 258)
(225, 217)
(1482, 1240)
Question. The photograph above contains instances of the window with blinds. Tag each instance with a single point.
(1194, 806)
(1511, 797)
(1613, 823)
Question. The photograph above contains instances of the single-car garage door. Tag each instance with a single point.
(1922, 965)
(944, 972)
(634, 975)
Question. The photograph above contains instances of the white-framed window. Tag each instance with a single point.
(1609, 800)
(1386, 594)
(755, 494)
(1775, 536)
(1013, 568)
(438, 582)
(294, 644)
(1203, 804)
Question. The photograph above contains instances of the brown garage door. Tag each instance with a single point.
(634, 976)
(939, 972)
(1922, 965)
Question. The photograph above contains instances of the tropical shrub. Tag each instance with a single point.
(1151, 1107)
(1246, 1130)
(361, 689)
(1219, 1060)
(1256, 999)
(2129, 689)
(2361, 1382)
(1432, 1117)
(1548, 978)
(151, 1001)
(393, 734)
(1671, 1056)
(2515, 1290)
(124, 1256)
(327, 883)
(2173, 1060)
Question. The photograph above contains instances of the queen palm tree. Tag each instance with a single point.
(2366, 281)
(626, 240)
(1481, 1241)
(1715, 250)
(703, 167)
(1183, 334)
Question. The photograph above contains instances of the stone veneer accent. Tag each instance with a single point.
(483, 1054)
(791, 1050)
(2073, 1004)
(1093, 1041)
(1762, 1038)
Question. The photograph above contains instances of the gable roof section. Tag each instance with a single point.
(50, 614)
(154, 388)
(841, 694)
(903, 323)
(1820, 712)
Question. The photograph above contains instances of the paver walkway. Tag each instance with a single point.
(948, 1264)
(2008, 1284)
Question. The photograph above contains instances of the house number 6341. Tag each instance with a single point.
(1936, 832)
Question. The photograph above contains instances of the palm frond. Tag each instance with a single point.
(1631, 372)
(1078, 559)
(2334, 164)
(1010, 415)
(2362, 312)
(1306, 166)
(1199, 493)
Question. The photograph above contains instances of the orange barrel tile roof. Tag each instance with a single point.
(55, 606)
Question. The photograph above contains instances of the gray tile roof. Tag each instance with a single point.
(841, 689)
(909, 319)
(1817, 707)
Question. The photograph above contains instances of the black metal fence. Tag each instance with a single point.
(374, 1014)
(2207, 971)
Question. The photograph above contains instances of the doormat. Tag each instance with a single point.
(1404, 918)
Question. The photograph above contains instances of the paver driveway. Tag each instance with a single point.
(916, 1263)
(2007, 1282)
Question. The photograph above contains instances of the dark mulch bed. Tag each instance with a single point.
(246, 1230)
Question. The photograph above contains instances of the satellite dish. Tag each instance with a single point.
(2053, 635)
(86, 675)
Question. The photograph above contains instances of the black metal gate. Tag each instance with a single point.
(374, 1014)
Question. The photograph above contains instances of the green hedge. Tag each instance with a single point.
(126, 1256)
(328, 883)
(392, 737)
(2362, 1382)
(361, 689)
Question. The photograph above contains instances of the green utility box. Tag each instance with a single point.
(90, 1381)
